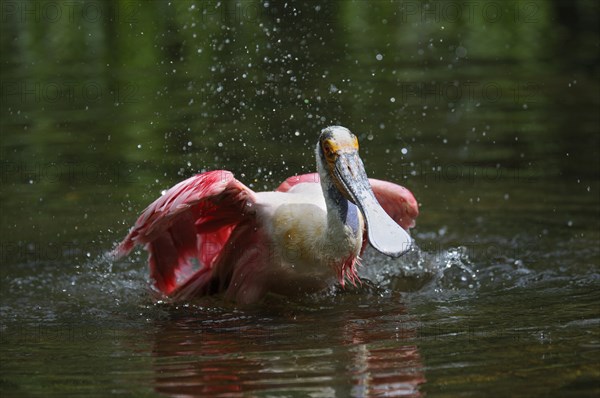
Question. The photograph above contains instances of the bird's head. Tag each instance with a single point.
(339, 162)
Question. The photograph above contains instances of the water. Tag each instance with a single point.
(495, 134)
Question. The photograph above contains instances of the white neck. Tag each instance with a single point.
(336, 203)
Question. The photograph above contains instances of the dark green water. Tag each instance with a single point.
(487, 111)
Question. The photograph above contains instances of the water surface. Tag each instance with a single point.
(490, 119)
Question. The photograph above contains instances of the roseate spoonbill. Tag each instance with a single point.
(211, 234)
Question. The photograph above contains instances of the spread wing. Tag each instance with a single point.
(192, 220)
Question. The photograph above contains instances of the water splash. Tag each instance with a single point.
(449, 269)
(52, 290)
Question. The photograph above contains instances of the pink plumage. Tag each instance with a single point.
(397, 201)
(210, 234)
(192, 220)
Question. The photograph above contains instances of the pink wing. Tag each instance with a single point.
(397, 201)
(298, 179)
(193, 219)
(238, 271)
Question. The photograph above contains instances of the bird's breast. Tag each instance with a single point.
(304, 237)
(299, 231)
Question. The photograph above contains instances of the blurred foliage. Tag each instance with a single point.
(153, 91)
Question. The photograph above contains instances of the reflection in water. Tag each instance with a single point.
(237, 354)
(394, 370)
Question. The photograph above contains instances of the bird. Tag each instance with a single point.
(212, 235)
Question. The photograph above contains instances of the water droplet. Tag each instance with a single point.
(460, 52)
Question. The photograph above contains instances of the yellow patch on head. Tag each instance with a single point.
(330, 149)
(336, 141)
(333, 147)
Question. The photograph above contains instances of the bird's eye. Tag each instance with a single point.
(327, 149)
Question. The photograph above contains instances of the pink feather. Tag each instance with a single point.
(397, 201)
(210, 218)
